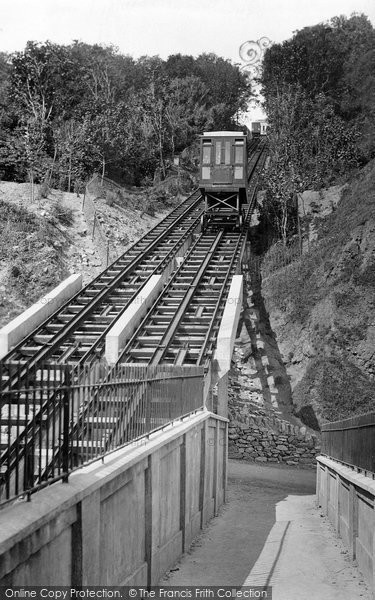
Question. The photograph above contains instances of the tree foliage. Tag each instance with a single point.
(66, 111)
(320, 126)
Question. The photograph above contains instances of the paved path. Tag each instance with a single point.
(303, 559)
(228, 548)
(270, 532)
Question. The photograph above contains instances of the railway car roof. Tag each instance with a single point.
(223, 133)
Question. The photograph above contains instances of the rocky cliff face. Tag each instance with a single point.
(322, 308)
(262, 427)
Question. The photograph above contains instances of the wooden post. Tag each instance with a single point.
(148, 519)
(183, 486)
(203, 470)
(216, 468)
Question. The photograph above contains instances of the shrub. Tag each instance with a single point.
(63, 214)
(150, 207)
(44, 190)
(279, 256)
(110, 197)
(295, 287)
(366, 276)
(15, 271)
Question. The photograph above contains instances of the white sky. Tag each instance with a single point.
(165, 27)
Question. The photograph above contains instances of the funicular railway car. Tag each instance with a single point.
(223, 178)
(259, 128)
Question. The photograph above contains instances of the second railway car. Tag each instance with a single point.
(259, 128)
(223, 177)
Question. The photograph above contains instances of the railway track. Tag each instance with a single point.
(183, 320)
(77, 330)
(180, 328)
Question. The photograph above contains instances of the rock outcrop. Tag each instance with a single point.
(322, 311)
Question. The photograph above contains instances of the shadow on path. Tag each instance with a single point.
(228, 548)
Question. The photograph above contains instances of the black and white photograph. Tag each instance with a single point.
(187, 299)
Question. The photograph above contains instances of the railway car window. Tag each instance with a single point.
(217, 153)
(238, 172)
(206, 172)
(227, 153)
(206, 155)
(238, 151)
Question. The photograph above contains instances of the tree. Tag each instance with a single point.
(316, 58)
(68, 110)
(229, 88)
(187, 111)
(309, 147)
(310, 85)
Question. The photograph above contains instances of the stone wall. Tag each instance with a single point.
(270, 439)
(262, 426)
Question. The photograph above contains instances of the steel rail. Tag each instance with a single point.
(222, 298)
(95, 401)
(48, 402)
(129, 413)
(79, 317)
(173, 326)
(158, 268)
(169, 334)
(208, 341)
(175, 287)
(168, 285)
(13, 382)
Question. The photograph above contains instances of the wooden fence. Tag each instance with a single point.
(351, 441)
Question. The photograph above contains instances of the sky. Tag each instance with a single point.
(164, 27)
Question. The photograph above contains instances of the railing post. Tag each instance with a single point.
(148, 406)
(65, 444)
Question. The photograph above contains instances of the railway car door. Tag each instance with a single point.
(239, 159)
(222, 170)
(206, 159)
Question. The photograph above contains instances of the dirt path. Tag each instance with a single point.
(228, 548)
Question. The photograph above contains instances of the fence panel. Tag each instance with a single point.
(351, 441)
(56, 418)
(107, 253)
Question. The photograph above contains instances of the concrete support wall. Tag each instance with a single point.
(348, 499)
(122, 523)
(228, 327)
(123, 329)
(20, 327)
(222, 396)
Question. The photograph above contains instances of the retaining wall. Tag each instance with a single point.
(122, 523)
(271, 439)
(348, 499)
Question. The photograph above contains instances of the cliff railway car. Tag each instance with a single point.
(259, 128)
(223, 178)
